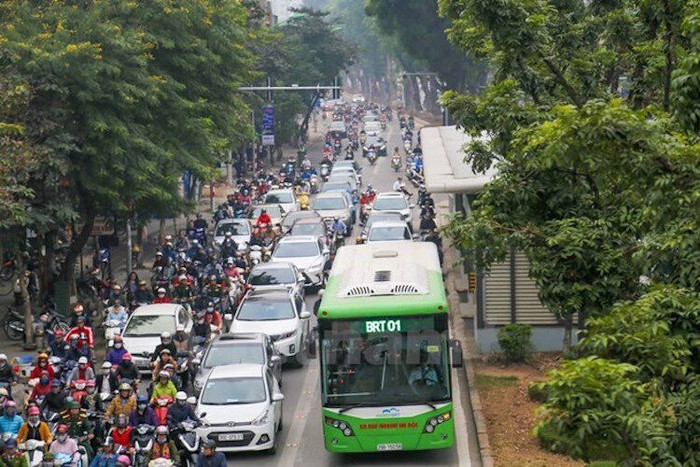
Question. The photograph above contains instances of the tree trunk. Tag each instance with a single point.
(568, 328)
(161, 231)
(28, 317)
(78, 243)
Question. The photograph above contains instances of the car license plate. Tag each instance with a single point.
(231, 437)
(390, 447)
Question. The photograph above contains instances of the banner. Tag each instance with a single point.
(268, 126)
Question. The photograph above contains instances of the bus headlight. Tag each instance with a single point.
(342, 426)
(435, 421)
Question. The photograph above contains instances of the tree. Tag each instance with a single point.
(123, 97)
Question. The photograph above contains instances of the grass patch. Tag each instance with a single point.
(488, 381)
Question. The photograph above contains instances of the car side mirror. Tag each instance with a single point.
(456, 354)
(197, 361)
(326, 252)
(412, 205)
(275, 360)
(277, 397)
(202, 415)
(305, 314)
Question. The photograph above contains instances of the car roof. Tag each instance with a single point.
(298, 239)
(308, 220)
(388, 223)
(237, 370)
(281, 293)
(232, 337)
(268, 265)
(237, 220)
(391, 194)
(158, 309)
(266, 207)
(330, 194)
(279, 190)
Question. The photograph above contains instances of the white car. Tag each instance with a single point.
(389, 231)
(266, 276)
(307, 253)
(394, 202)
(145, 325)
(239, 228)
(373, 129)
(334, 204)
(346, 171)
(358, 99)
(284, 197)
(280, 314)
(242, 408)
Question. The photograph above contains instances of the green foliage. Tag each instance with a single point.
(514, 340)
(419, 31)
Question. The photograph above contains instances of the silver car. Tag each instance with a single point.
(239, 228)
(334, 204)
(394, 202)
(275, 275)
(308, 254)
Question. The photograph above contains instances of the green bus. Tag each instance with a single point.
(385, 351)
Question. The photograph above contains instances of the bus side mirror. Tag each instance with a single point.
(456, 353)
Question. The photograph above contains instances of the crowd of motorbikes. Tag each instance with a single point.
(77, 411)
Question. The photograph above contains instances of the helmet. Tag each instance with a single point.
(56, 333)
(124, 460)
(3, 392)
(10, 404)
(117, 287)
(165, 335)
(33, 411)
(3, 356)
(122, 420)
(90, 383)
(161, 430)
(161, 290)
(125, 387)
(158, 253)
(78, 308)
(82, 360)
(126, 357)
(107, 365)
(180, 396)
(43, 356)
(165, 351)
(180, 327)
(142, 282)
(192, 400)
(109, 441)
(118, 338)
(142, 399)
(81, 318)
(164, 374)
(209, 443)
(74, 404)
(56, 383)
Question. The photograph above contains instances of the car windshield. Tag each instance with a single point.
(308, 229)
(265, 310)
(234, 227)
(225, 391)
(296, 249)
(279, 198)
(340, 186)
(385, 361)
(271, 276)
(394, 203)
(273, 211)
(240, 352)
(381, 217)
(149, 325)
(294, 215)
(379, 234)
(328, 204)
(373, 126)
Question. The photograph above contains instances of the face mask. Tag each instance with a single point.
(62, 438)
(34, 420)
(44, 381)
(118, 345)
(161, 439)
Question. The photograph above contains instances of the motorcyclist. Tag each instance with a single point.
(121, 433)
(7, 375)
(427, 223)
(201, 328)
(263, 218)
(63, 444)
(400, 186)
(163, 447)
(43, 387)
(74, 351)
(34, 428)
(82, 371)
(127, 370)
(434, 237)
(105, 380)
(183, 292)
(78, 311)
(79, 427)
(85, 336)
(306, 164)
(42, 364)
(200, 223)
(228, 246)
(57, 347)
(116, 353)
(193, 249)
(163, 387)
(115, 293)
(159, 261)
(213, 318)
(124, 403)
(165, 358)
(338, 227)
(161, 298)
(143, 294)
(181, 339)
(117, 313)
(54, 400)
(106, 457)
(210, 457)
(143, 414)
(10, 421)
(180, 411)
(166, 342)
(91, 400)
(182, 243)
(11, 456)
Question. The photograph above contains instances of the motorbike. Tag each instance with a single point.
(143, 443)
(112, 328)
(313, 184)
(187, 441)
(13, 325)
(255, 255)
(325, 172)
(163, 403)
(66, 460)
(407, 145)
(396, 163)
(8, 269)
(183, 368)
(32, 452)
(78, 389)
(372, 156)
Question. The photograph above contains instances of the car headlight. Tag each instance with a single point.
(434, 421)
(262, 419)
(365, 148)
(286, 335)
(341, 425)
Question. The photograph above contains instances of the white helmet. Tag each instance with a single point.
(165, 335)
(82, 360)
(192, 400)
(3, 356)
(180, 396)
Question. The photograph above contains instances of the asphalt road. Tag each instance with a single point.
(301, 439)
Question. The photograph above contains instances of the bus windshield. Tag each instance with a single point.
(385, 361)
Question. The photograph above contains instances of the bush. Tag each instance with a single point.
(514, 340)
(537, 392)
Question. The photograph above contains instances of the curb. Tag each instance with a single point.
(458, 325)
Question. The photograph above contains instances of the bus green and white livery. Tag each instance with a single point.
(385, 350)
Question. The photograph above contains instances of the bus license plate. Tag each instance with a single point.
(231, 437)
(390, 447)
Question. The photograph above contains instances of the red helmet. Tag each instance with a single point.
(127, 357)
(62, 428)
